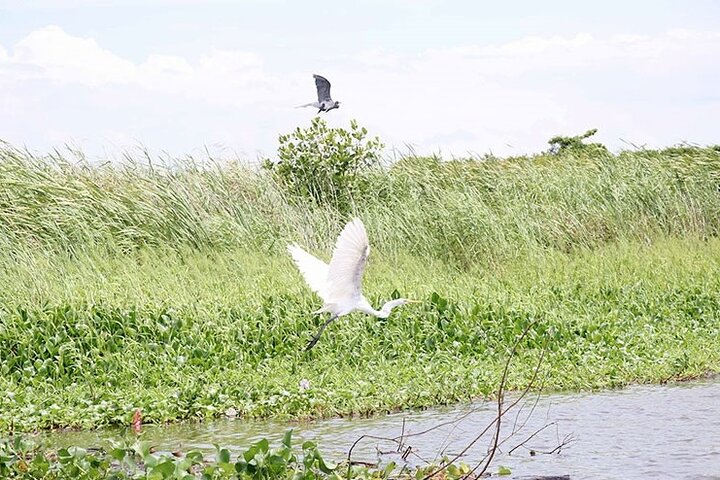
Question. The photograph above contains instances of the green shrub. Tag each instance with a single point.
(560, 145)
(20, 458)
(327, 165)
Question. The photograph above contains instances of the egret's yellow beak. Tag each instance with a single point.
(414, 301)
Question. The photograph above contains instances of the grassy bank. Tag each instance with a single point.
(168, 289)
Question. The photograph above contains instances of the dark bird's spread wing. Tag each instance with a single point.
(323, 88)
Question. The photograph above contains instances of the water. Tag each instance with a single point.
(668, 431)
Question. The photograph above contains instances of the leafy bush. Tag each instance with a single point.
(20, 458)
(560, 145)
(135, 459)
(327, 165)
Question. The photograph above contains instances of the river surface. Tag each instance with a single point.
(665, 431)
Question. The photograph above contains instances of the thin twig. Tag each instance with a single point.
(500, 412)
(402, 436)
(443, 424)
(529, 438)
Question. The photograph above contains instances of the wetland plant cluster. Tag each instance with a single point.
(23, 459)
(165, 286)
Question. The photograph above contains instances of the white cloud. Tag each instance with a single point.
(167, 65)
(71, 59)
(487, 97)
(51, 53)
(531, 45)
(228, 62)
(508, 97)
(580, 51)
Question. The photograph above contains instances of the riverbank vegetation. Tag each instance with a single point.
(24, 459)
(166, 287)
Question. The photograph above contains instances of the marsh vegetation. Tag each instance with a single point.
(165, 286)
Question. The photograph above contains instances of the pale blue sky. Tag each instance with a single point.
(453, 76)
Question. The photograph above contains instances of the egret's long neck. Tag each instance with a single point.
(365, 307)
(384, 311)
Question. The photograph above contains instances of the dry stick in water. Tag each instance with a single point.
(501, 394)
(400, 440)
(395, 440)
(515, 428)
(522, 444)
(567, 440)
(501, 412)
(527, 389)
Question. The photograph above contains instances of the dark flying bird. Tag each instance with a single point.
(325, 103)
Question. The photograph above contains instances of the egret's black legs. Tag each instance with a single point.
(315, 338)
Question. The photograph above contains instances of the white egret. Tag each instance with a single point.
(339, 283)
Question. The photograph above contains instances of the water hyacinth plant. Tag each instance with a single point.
(20, 458)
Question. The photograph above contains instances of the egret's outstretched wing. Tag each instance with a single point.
(314, 270)
(348, 263)
(323, 88)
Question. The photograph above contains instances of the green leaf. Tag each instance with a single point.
(276, 463)
(263, 445)
(223, 456)
(250, 453)
(196, 457)
(142, 448)
(118, 453)
(287, 438)
(504, 470)
(64, 456)
(241, 466)
(40, 465)
(77, 452)
(183, 465)
(325, 467)
(165, 468)
(389, 468)
(151, 460)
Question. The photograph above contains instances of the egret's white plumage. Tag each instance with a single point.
(312, 268)
(339, 284)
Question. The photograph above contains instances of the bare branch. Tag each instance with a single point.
(502, 409)
(521, 444)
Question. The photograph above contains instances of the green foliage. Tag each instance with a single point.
(169, 289)
(462, 211)
(574, 145)
(327, 165)
(87, 339)
(24, 459)
(21, 459)
(502, 470)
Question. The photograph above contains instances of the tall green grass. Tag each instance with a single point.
(167, 288)
(467, 211)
